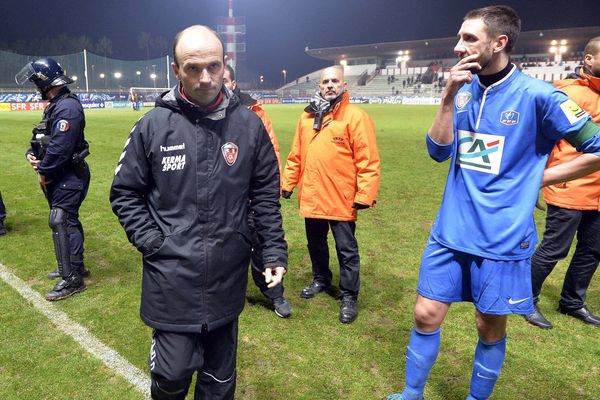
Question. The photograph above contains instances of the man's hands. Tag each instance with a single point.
(274, 276)
(359, 206)
(461, 73)
(285, 194)
(35, 163)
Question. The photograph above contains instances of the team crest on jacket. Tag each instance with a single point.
(462, 99)
(230, 153)
(63, 125)
(509, 117)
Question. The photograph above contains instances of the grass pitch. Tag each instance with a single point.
(309, 356)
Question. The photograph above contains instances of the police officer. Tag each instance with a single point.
(57, 152)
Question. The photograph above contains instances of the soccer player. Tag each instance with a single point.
(498, 126)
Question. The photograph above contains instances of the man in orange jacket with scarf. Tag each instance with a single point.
(334, 160)
(573, 207)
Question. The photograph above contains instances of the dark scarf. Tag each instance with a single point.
(320, 107)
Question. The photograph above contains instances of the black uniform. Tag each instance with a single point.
(59, 143)
(2, 216)
(181, 192)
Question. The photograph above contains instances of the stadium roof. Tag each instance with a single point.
(529, 42)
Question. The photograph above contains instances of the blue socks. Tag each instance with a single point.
(489, 358)
(421, 353)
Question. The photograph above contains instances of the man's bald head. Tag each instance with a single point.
(331, 83)
(591, 57)
(198, 64)
(192, 34)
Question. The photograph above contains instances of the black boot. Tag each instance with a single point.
(348, 310)
(66, 287)
(3, 230)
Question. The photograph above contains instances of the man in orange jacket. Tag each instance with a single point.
(335, 161)
(281, 306)
(573, 207)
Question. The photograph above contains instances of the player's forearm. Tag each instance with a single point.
(577, 167)
(442, 129)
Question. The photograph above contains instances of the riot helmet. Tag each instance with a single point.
(45, 73)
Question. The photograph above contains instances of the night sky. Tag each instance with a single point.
(277, 30)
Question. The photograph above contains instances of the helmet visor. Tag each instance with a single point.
(25, 74)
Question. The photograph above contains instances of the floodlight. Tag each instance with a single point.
(74, 77)
(138, 73)
(152, 76)
(118, 75)
(102, 76)
(553, 49)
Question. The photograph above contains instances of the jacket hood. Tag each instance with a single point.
(245, 98)
(174, 100)
(593, 81)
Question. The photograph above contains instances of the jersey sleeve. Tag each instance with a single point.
(562, 117)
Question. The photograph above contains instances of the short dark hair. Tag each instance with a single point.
(499, 20)
(179, 34)
(231, 72)
(593, 46)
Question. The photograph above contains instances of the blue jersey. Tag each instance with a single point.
(503, 135)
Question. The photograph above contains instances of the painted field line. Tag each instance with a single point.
(80, 334)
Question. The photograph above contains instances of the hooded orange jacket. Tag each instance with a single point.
(262, 114)
(336, 166)
(582, 193)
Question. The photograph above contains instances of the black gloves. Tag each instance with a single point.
(285, 194)
(359, 206)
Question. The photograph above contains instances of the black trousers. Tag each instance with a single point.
(561, 226)
(2, 209)
(346, 247)
(174, 357)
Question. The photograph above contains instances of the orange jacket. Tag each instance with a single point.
(582, 193)
(336, 166)
(262, 114)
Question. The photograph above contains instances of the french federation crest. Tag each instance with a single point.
(462, 99)
(509, 117)
(230, 153)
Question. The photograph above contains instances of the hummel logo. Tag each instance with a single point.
(511, 301)
(484, 377)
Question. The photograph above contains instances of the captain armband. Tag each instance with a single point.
(439, 152)
(587, 140)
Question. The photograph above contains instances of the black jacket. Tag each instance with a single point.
(64, 123)
(186, 176)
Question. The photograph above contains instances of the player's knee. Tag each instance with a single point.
(427, 318)
(57, 219)
(164, 389)
(491, 328)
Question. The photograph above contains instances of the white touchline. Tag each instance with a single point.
(80, 334)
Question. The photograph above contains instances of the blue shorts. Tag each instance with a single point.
(493, 286)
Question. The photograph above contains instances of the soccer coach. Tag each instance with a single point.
(181, 192)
